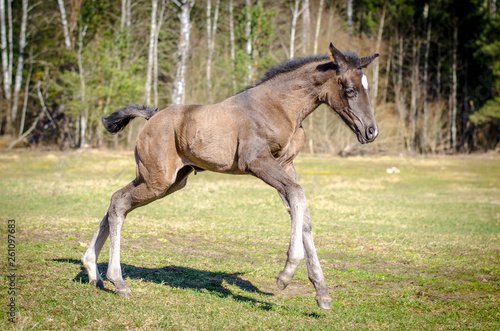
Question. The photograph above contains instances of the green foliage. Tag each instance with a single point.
(488, 113)
(108, 82)
(489, 53)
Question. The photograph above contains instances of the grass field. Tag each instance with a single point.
(418, 249)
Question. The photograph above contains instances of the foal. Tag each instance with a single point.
(258, 132)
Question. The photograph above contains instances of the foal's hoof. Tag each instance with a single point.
(324, 305)
(280, 284)
(124, 294)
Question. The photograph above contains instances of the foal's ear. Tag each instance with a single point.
(365, 61)
(337, 57)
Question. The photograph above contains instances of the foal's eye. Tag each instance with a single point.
(350, 92)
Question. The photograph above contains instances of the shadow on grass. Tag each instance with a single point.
(184, 278)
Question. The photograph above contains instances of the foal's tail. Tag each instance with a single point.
(118, 120)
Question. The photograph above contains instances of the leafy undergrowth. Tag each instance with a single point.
(417, 248)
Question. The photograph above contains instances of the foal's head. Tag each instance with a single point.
(348, 93)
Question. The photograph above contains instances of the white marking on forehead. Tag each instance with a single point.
(364, 81)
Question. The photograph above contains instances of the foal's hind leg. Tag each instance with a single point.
(89, 259)
(125, 200)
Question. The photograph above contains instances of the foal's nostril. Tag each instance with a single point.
(371, 133)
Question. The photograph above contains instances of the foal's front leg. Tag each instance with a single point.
(313, 266)
(301, 241)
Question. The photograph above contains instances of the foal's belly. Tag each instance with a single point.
(210, 139)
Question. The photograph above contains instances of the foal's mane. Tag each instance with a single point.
(287, 66)
(290, 65)
(293, 64)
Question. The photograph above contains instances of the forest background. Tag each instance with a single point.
(66, 63)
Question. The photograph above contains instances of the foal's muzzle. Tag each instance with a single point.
(371, 133)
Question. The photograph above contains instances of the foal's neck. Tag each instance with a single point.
(299, 92)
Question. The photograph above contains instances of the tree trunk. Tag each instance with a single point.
(20, 61)
(398, 92)
(67, 40)
(248, 36)
(5, 64)
(438, 74)
(295, 16)
(306, 27)
(152, 34)
(426, 82)
(414, 92)
(155, 61)
(124, 14)
(318, 26)
(387, 71)
(211, 31)
(376, 64)
(232, 42)
(453, 122)
(26, 95)
(349, 18)
(85, 110)
(178, 93)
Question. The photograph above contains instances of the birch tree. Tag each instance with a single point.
(67, 40)
(232, 45)
(20, 60)
(152, 34)
(376, 64)
(248, 36)
(295, 16)
(349, 18)
(426, 76)
(84, 114)
(179, 84)
(5, 56)
(155, 62)
(318, 26)
(453, 95)
(306, 27)
(414, 91)
(211, 31)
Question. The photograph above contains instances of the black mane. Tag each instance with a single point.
(288, 66)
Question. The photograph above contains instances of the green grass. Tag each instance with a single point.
(415, 250)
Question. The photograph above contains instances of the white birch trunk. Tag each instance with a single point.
(5, 52)
(414, 92)
(349, 18)
(248, 36)
(376, 64)
(84, 112)
(152, 34)
(232, 42)
(318, 26)
(124, 14)
(211, 31)
(67, 40)
(453, 122)
(295, 16)
(155, 62)
(20, 61)
(25, 104)
(306, 27)
(426, 81)
(178, 93)
(129, 15)
(10, 41)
